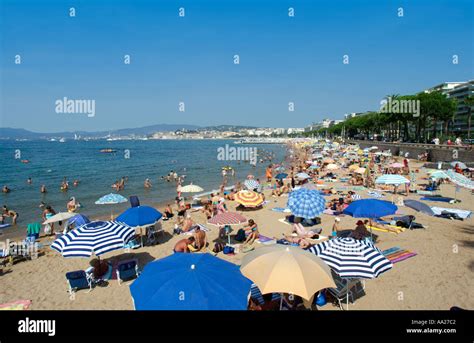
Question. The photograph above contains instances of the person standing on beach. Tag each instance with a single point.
(269, 173)
(48, 213)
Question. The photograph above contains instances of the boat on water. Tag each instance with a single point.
(107, 151)
(62, 140)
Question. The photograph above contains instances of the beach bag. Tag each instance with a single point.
(218, 247)
(240, 236)
(228, 250)
(47, 229)
(321, 299)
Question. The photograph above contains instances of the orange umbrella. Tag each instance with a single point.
(249, 198)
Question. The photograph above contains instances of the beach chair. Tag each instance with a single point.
(79, 279)
(127, 270)
(346, 289)
(134, 202)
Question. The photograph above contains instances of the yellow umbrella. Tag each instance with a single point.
(354, 167)
(249, 198)
(286, 269)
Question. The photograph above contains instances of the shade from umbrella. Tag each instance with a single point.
(459, 179)
(332, 166)
(191, 189)
(281, 176)
(391, 179)
(370, 208)
(110, 199)
(306, 203)
(419, 206)
(251, 184)
(140, 216)
(190, 282)
(61, 216)
(352, 258)
(93, 238)
(227, 218)
(286, 269)
(248, 198)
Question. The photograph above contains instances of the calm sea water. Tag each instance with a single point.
(50, 162)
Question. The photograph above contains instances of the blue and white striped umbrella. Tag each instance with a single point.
(93, 238)
(352, 258)
(391, 179)
(459, 179)
(251, 184)
(306, 203)
(111, 198)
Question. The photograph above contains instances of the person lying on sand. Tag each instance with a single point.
(302, 242)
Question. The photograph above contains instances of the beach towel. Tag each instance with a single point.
(440, 199)
(17, 305)
(265, 240)
(464, 214)
(394, 229)
(203, 228)
(281, 209)
(375, 194)
(425, 192)
(33, 229)
(397, 254)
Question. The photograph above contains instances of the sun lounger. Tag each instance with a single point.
(256, 294)
(79, 279)
(127, 270)
(464, 214)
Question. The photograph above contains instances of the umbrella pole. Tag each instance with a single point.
(347, 295)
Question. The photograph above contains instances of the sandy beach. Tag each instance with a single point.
(438, 277)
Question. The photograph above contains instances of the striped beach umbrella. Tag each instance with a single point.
(252, 184)
(391, 179)
(352, 258)
(227, 218)
(249, 198)
(438, 174)
(306, 203)
(190, 189)
(459, 179)
(97, 238)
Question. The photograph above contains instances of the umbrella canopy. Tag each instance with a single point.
(111, 198)
(460, 164)
(352, 258)
(332, 166)
(396, 165)
(306, 203)
(140, 216)
(61, 216)
(251, 184)
(281, 176)
(354, 166)
(78, 220)
(227, 218)
(190, 282)
(191, 189)
(438, 174)
(310, 186)
(419, 206)
(459, 179)
(303, 176)
(391, 179)
(370, 208)
(328, 160)
(360, 170)
(286, 269)
(280, 168)
(313, 167)
(93, 238)
(249, 198)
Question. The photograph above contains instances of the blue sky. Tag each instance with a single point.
(190, 59)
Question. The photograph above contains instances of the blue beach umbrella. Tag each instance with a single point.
(190, 282)
(306, 203)
(370, 208)
(252, 184)
(78, 220)
(111, 199)
(140, 216)
(281, 176)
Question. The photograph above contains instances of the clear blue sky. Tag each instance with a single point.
(190, 59)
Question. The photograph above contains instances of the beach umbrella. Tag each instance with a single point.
(280, 168)
(111, 199)
(419, 206)
(328, 160)
(78, 220)
(306, 203)
(391, 179)
(98, 237)
(352, 258)
(140, 216)
(312, 167)
(302, 176)
(397, 165)
(370, 208)
(281, 176)
(360, 170)
(58, 217)
(354, 166)
(332, 166)
(250, 177)
(227, 218)
(251, 185)
(438, 174)
(190, 282)
(459, 179)
(286, 269)
(248, 198)
(191, 189)
(310, 186)
(459, 163)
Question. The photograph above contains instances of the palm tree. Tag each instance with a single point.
(469, 102)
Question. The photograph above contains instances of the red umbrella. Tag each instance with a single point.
(228, 218)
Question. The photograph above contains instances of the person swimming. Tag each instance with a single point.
(43, 189)
(5, 189)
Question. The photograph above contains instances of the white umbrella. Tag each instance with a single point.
(58, 217)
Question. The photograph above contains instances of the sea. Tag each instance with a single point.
(49, 162)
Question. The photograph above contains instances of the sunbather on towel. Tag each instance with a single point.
(301, 231)
(302, 242)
